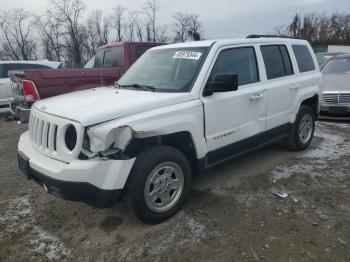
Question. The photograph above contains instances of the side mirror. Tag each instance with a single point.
(221, 83)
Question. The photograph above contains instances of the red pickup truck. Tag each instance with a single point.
(109, 63)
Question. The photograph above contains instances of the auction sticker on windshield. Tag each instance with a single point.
(187, 55)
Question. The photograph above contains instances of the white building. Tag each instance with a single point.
(339, 48)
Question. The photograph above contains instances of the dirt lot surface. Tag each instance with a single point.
(233, 214)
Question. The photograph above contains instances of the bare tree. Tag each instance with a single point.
(17, 28)
(280, 30)
(131, 24)
(97, 30)
(139, 29)
(194, 27)
(162, 34)
(151, 9)
(118, 18)
(51, 35)
(69, 13)
(320, 29)
(148, 30)
(181, 25)
(295, 26)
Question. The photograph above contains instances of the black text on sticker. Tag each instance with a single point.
(187, 55)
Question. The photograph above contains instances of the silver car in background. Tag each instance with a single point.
(323, 58)
(336, 94)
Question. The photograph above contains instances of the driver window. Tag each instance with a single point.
(240, 61)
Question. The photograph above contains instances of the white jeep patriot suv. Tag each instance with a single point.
(179, 109)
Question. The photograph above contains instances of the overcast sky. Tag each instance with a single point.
(221, 18)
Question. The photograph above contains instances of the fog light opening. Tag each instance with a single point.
(70, 137)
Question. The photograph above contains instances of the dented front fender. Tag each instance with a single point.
(118, 137)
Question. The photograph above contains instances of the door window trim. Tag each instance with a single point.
(296, 59)
(289, 56)
(232, 48)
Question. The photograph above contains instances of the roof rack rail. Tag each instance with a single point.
(269, 36)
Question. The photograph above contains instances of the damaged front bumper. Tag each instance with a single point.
(92, 181)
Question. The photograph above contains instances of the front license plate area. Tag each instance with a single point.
(23, 163)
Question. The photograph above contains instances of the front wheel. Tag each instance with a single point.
(159, 184)
(302, 131)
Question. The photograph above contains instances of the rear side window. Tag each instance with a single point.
(304, 58)
(141, 49)
(113, 57)
(240, 61)
(97, 60)
(277, 61)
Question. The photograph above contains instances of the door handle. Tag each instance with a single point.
(256, 97)
(294, 88)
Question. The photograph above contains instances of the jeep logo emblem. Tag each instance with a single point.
(43, 107)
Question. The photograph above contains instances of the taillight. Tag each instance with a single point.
(30, 92)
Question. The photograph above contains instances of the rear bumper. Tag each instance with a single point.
(21, 111)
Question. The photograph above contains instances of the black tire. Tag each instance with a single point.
(293, 141)
(145, 163)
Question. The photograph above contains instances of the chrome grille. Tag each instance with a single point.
(331, 98)
(344, 98)
(336, 98)
(47, 135)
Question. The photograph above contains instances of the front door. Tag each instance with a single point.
(235, 121)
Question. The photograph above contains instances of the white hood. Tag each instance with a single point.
(98, 105)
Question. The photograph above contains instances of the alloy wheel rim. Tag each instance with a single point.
(305, 128)
(164, 187)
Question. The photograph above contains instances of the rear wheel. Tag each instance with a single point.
(159, 184)
(302, 131)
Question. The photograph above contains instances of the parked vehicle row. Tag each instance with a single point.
(6, 95)
(336, 95)
(178, 110)
(109, 63)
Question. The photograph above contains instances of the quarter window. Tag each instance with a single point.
(277, 61)
(304, 58)
(240, 61)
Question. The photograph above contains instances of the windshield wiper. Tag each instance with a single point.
(138, 86)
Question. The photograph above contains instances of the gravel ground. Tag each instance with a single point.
(269, 205)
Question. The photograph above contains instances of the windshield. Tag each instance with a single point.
(165, 70)
(322, 58)
(338, 66)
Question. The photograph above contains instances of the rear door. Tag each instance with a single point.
(281, 85)
(235, 121)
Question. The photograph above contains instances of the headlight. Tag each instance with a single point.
(70, 137)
